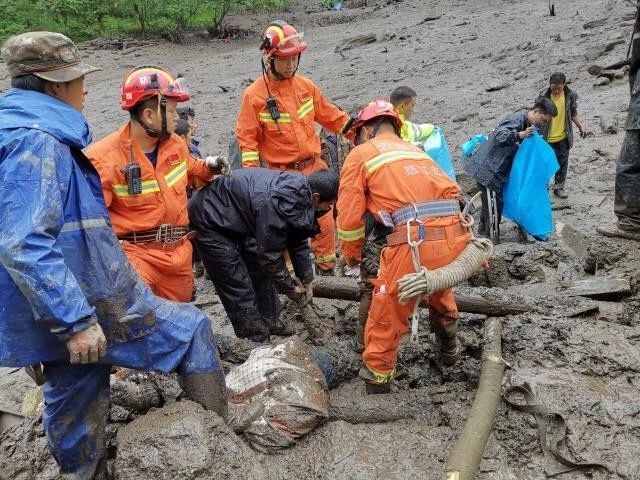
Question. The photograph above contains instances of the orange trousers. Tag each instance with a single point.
(388, 319)
(323, 245)
(167, 271)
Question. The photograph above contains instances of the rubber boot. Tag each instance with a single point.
(331, 272)
(207, 389)
(278, 326)
(447, 344)
(373, 386)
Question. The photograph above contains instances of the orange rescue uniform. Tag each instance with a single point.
(383, 175)
(163, 201)
(292, 142)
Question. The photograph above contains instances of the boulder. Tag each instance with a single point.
(183, 441)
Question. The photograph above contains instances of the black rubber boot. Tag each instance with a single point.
(448, 345)
(207, 389)
(326, 273)
(281, 328)
(372, 385)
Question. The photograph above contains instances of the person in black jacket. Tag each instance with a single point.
(491, 164)
(245, 222)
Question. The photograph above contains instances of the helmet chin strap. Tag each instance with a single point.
(163, 133)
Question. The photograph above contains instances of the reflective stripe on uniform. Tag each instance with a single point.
(250, 158)
(176, 174)
(351, 235)
(376, 162)
(325, 259)
(266, 118)
(305, 108)
(148, 186)
(86, 224)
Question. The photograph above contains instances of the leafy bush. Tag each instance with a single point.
(85, 19)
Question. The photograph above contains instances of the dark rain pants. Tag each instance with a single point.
(248, 295)
(627, 191)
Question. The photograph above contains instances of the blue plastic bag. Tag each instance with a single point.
(437, 148)
(471, 145)
(526, 196)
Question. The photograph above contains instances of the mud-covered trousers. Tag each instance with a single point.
(627, 191)
(77, 396)
(388, 318)
(248, 294)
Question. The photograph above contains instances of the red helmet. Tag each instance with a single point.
(282, 40)
(377, 108)
(147, 82)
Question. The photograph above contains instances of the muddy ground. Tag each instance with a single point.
(583, 366)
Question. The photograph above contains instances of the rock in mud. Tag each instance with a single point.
(183, 441)
(601, 82)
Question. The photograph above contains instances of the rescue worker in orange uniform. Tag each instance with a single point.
(276, 123)
(409, 195)
(145, 170)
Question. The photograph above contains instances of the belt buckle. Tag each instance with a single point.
(421, 231)
(163, 233)
(297, 165)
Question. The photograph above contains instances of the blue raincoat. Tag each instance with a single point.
(62, 269)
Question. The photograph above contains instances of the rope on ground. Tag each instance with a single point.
(425, 282)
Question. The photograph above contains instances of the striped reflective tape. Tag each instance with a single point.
(86, 224)
(250, 157)
(266, 118)
(325, 259)
(376, 162)
(351, 235)
(176, 174)
(148, 186)
(305, 108)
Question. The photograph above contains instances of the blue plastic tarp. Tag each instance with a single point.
(526, 194)
(437, 148)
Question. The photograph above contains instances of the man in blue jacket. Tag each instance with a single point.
(71, 306)
(491, 163)
(245, 221)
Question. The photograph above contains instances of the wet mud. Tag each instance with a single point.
(471, 63)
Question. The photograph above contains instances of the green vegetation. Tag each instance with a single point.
(86, 19)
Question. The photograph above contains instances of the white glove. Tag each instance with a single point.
(218, 163)
(412, 285)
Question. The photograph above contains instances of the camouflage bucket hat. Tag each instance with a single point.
(48, 55)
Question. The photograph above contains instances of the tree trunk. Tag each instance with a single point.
(347, 289)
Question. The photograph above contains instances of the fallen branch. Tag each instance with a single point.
(466, 454)
(340, 288)
(385, 408)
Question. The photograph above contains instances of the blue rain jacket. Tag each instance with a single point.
(61, 266)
